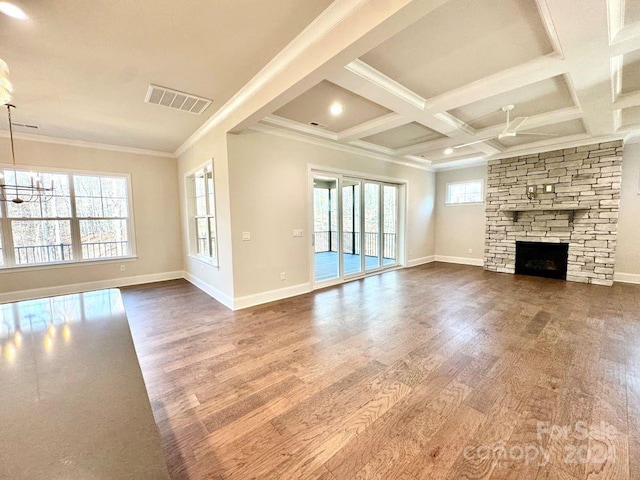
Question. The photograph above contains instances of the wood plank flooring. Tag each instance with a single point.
(435, 372)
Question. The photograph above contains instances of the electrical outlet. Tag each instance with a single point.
(298, 232)
(283, 275)
(123, 268)
(246, 236)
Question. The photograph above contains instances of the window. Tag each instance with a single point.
(87, 218)
(465, 192)
(203, 208)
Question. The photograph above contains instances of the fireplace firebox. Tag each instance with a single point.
(542, 259)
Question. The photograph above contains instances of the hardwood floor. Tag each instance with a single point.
(435, 372)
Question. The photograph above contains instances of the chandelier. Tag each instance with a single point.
(34, 189)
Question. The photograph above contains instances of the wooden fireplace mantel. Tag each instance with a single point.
(539, 208)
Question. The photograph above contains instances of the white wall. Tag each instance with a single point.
(270, 197)
(156, 216)
(628, 250)
(459, 227)
(217, 281)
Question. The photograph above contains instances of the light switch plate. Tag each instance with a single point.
(549, 188)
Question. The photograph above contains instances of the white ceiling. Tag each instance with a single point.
(414, 76)
(81, 69)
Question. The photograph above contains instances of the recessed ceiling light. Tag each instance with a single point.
(13, 11)
(448, 151)
(336, 109)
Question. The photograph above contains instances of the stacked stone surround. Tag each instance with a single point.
(586, 178)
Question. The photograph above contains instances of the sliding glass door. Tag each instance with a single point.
(351, 226)
(356, 226)
(325, 226)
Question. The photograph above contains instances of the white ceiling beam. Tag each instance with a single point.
(531, 72)
(344, 32)
(631, 99)
(378, 78)
(377, 87)
(585, 46)
(490, 133)
(377, 125)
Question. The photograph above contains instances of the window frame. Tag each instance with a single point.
(6, 231)
(212, 258)
(447, 198)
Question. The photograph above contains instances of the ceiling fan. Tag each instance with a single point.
(510, 130)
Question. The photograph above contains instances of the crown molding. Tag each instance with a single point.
(548, 145)
(279, 132)
(378, 78)
(84, 144)
(547, 20)
(460, 164)
(377, 125)
(332, 16)
(299, 127)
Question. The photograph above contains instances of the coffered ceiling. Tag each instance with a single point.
(571, 68)
(421, 82)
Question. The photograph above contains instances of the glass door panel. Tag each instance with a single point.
(372, 240)
(325, 234)
(351, 227)
(390, 225)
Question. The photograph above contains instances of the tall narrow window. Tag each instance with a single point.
(204, 218)
(103, 209)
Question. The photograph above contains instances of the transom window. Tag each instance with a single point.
(465, 192)
(87, 218)
(203, 212)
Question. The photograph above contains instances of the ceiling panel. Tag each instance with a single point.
(563, 129)
(403, 136)
(545, 96)
(313, 106)
(81, 69)
(631, 116)
(462, 41)
(631, 72)
(631, 11)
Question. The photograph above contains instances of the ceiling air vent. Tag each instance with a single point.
(177, 100)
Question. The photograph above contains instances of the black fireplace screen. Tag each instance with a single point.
(542, 259)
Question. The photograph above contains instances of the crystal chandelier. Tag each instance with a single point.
(18, 192)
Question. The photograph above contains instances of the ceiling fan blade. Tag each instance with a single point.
(514, 125)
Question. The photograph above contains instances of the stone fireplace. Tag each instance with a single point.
(568, 196)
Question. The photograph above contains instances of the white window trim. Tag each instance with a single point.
(132, 244)
(189, 182)
(450, 204)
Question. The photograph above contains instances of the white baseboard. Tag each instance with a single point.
(414, 262)
(207, 288)
(270, 296)
(478, 262)
(626, 277)
(87, 286)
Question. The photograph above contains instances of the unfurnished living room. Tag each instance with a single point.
(315, 239)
